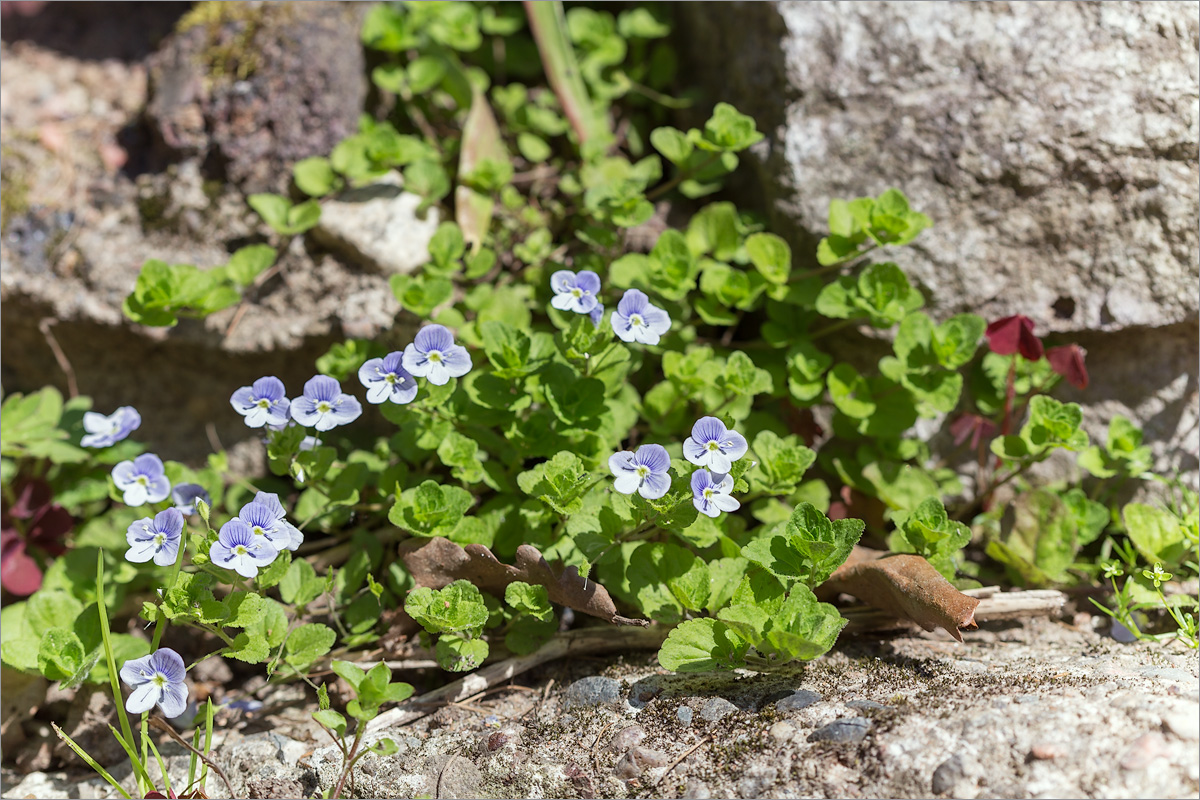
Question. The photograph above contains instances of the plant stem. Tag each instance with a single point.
(828, 329)
(682, 176)
(358, 735)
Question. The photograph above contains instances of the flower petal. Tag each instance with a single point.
(415, 362)
(371, 373)
(694, 452)
(322, 387)
(725, 502)
(456, 360)
(621, 327)
(701, 480)
(135, 495)
(654, 486)
(563, 280)
(734, 445)
(562, 302)
(269, 387)
(719, 462)
(305, 412)
(143, 698)
(136, 671)
(379, 392)
(141, 552)
(657, 320)
(634, 301)
(123, 474)
(588, 281)
(174, 700)
(158, 490)
(627, 482)
(654, 456)
(169, 663)
(149, 465)
(432, 337)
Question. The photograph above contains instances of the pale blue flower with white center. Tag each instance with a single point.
(575, 291)
(103, 431)
(713, 446)
(238, 548)
(433, 355)
(644, 472)
(711, 493)
(266, 517)
(324, 405)
(142, 480)
(185, 495)
(262, 403)
(155, 539)
(386, 379)
(156, 679)
(637, 320)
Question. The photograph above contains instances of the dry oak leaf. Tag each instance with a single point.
(439, 562)
(906, 586)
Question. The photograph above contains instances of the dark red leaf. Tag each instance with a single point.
(1067, 360)
(48, 529)
(32, 494)
(19, 573)
(1014, 335)
(975, 427)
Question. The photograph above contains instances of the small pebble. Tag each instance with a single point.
(1184, 725)
(1144, 750)
(948, 773)
(716, 708)
(782, 731)
(842, 731)
(592, 691)
(626, 738)
(637, 760)
(685, 715)
(696, 790)
(803, 698)
(1046, 751)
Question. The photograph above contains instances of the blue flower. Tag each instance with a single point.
(156, 679)
(324, 405)
(596, 314)
(434, 355)
(262, 403)
(710, 493)
(266, 517)
(636, 320)
(142, 480)
(386, 379)
(239, 549)
(644, 472)
(712, 446)
(155, 539)
(185, 495)
(103, 431)
(574, 292)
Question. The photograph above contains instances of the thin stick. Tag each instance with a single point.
(163, 725)
(63, 362)
(574, 643)
(680, 760)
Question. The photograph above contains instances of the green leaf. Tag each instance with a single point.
(350, 672)
(559, 482)
(456, 654)
(702, 645)
(654, 573)
(783, 462)
(850, 392)
(771, 256)
(60, 654)
(528, 634)
(742, 378)
(1054, 424)
(802, 629)
(273, 208)
(672, 143)
(1157, 534)
(332, 720)
(247, 263)
(430, 509)
(301, 584)
(249, 646)
(955, 340)
(730, 130)
(639, 23)
(533, 148)
(458, 607)
(530, 599)
(810, 548)
(307, 643)
(46, 610)
(245, 608)
(315, 176)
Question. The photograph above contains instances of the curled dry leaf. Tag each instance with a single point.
(906, 586)
(438, 562)
(481, 140)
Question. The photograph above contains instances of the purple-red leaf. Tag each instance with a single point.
(1014, 335)
(1067, 360)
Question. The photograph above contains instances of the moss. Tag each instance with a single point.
(229, 29)
(14, 186)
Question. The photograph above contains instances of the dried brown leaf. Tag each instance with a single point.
(439, 562)
(906, 586)
(481, 140)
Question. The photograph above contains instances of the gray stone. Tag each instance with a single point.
(684, 715)
(264, 765)
(1052, 144)
(948, 773)
(378, 226)
(1168, 674)
(803, 698)
(717, 708)
(591, 691)
(842, 731)
(636, 761)
(1184, 725)
(696, 789)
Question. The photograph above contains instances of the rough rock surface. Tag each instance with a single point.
(1034, 709)
(253, 88)
(80, 220)
(1053, 144)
